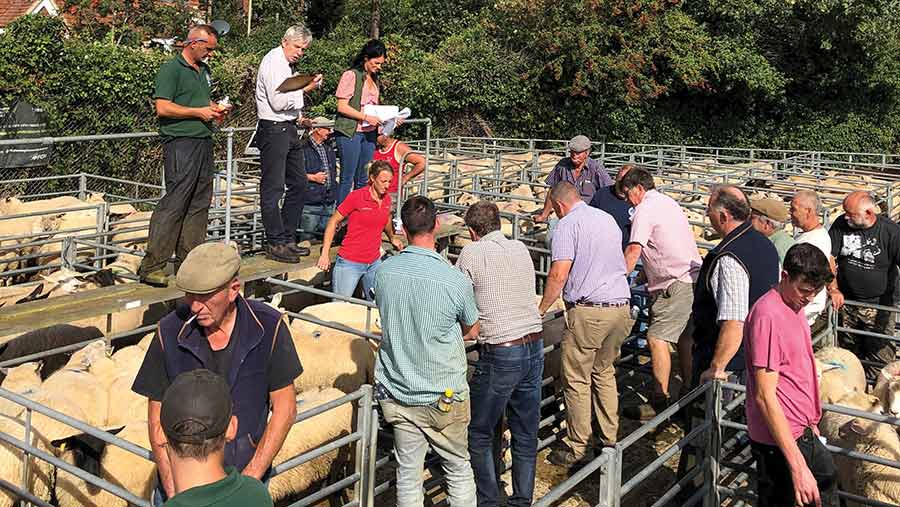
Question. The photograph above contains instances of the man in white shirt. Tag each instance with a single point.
(805, 213)
(281, 154)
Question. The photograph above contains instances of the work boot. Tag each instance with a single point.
(647, 410)
(564, 456)
(298, 250)
(157, 278)
(282, 253)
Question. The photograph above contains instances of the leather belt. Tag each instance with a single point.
(273, 122)
(525, 340)
(588, 304)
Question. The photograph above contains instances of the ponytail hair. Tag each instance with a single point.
(371, 49)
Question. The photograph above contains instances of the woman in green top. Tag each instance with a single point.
(355, 132)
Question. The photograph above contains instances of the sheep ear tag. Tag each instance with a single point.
(830, 366)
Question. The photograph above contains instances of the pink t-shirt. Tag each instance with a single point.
(345, 88)
(668, 249)
(777, 338)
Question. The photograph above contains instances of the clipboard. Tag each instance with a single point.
(294, 83)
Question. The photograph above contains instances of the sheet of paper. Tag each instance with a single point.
(388, 116)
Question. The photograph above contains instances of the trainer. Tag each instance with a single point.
(280, 150)
(185, 114)
(247, 342)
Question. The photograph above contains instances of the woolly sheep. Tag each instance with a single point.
(86, 379)
(308, 435)
(339, 312)
(124, 404)
(887, 389)
(117, 466)
(869, 480)
(40, 475)
(332, 359)
(842, 373)
(23, 379)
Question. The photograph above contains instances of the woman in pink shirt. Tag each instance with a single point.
(355, 132)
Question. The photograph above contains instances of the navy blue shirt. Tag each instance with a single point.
(605, 199)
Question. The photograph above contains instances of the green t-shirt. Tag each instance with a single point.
(235, 490)
(782, 243)
(182, 84)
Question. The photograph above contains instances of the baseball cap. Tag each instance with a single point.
(771, 208)
(196, 407)
(579, 143)
(208, 268)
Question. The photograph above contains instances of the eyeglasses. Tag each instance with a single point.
(191, 41)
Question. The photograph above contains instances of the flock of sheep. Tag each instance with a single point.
(93, 385)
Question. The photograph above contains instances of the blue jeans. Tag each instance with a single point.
(314, 219)
(506, 379)
(346, 274)
(355, 153)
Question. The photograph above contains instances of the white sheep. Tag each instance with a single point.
(841, 373)
(887, 389)
(125, 405)
(869, 480)
(338, 312)
(41, 473)
(23, 379)
(117, 466)
(332, 359)
(86, 380)
(307, 435)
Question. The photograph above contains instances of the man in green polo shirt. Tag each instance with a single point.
(195, 421)
(185, 112)
(427, 310)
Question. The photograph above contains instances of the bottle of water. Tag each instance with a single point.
(445, 401)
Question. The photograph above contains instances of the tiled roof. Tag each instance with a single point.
(12, 9)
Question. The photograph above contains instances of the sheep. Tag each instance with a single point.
(307, 435)
(339, 312)
(332, 359)
(23, 379)
(47, 338)
(109, 462)
(124, 404)
(86, 379)
(40, 473)
(131, 230)
(841, 373)
(869, 480)
(887, 389)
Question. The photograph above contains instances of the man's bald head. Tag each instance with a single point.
(564, 193)
(860, 210)
(731, 199)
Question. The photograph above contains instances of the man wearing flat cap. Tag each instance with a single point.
(768, 217)
(320, 162)
(579, 169)
(195, 423)
(246, 342)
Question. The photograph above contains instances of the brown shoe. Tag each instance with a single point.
(157, 278)
(647, 410)
(282, 253)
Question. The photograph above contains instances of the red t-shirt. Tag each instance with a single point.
(390, 156)
(777, 338)
(365, 223)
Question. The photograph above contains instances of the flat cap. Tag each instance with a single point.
(771, 208)
(208, 268)
(322, 122)
(579, 143)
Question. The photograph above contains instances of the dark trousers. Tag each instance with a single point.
(282, 165)
(179, 222)
(874, 352)
(506, 379)
(775, 488)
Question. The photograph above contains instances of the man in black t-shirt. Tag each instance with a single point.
(610, 200)
(246, 342)
(866, 249)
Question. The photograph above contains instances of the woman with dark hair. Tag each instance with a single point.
(355, 132)
(368, 213)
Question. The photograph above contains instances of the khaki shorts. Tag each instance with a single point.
(670, 311)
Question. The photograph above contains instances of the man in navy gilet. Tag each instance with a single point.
(734, 274)
(246, 342)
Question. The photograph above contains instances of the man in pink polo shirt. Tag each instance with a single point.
(783, 406)
(662, 238)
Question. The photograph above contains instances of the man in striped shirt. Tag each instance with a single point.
(427, 309)
(511, 355)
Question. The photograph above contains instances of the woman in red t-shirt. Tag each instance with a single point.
(392, 151)
(368, 213)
